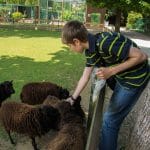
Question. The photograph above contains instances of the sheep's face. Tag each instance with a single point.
(64, 107)
(50, 97)
(77, 107)
(51, 116)
(77, 102)
(8, 87)
(64, 93)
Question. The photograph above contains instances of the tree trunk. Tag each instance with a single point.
(118, 20)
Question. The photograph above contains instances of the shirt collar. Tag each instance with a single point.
(92, 42)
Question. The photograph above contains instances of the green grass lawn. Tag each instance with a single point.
(27, 56)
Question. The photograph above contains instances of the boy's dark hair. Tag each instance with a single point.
(74, 29)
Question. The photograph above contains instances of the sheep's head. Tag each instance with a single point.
(50, 117)
(51, 100)
(77, 107)
(70, 113)
(64, 107)
(7, 89)
(64, 93)
(51, 97)
(77, 102)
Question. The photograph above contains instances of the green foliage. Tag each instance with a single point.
(17, 16)
(31, 2)
(145, 9)
(16, 1)
(79, 16)
(4, 11)
(95, 18)
(139, 24)
(24, 2)
(142, 6)
(2, 1)
(67, 15)
(132, 19)
(118, 4)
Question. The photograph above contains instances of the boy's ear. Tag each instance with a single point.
(75, 41)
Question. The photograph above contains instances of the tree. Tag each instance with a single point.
(120, 6)
(27, 2)
(15, 1)
(31, 2)
(2, 1)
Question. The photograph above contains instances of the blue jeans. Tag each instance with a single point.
(121, 102)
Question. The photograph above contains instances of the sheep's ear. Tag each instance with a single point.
(60, 88)
(66, 91)
(79, 98)
(11, 81)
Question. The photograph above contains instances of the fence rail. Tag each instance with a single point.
(95, 112)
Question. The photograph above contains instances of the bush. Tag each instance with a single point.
(139, 24)
(95, 18)
(17, 16)
(146, 24)
(132, 19)
(67, 15)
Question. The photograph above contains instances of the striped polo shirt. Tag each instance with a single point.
(112, 48)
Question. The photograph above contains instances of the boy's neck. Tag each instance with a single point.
(86, 45)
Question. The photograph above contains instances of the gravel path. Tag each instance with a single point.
(142, 40)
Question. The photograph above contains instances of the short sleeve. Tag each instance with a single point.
(117, 45)
(92, 59)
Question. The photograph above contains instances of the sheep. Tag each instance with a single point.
(72, 133)
(71, 137)
(6, 89)
(29, 120)
(66, 110)
(35, 92)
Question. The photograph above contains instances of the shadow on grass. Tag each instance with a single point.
(28, 33)
(63, 69)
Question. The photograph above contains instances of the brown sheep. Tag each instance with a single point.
(52, 101)
(29, 120)
(66, 110)
(6, 89)
(36, 92)
(71, 135)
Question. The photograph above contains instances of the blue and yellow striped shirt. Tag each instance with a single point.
(112, 48)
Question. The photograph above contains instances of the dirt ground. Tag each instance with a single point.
(24, 143)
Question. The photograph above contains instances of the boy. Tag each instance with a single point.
(118, 57)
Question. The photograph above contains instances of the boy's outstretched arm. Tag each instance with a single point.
(83, 81)
(135, 57)
(81, 84)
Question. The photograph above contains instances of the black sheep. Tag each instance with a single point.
(30, 120)
(6, 89)
(36, 92)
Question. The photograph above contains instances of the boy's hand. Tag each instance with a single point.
(70, 100)
(104, 72)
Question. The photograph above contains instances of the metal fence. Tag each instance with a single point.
(45, 12)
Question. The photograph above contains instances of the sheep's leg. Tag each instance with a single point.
(11, 140)
(34, 143)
